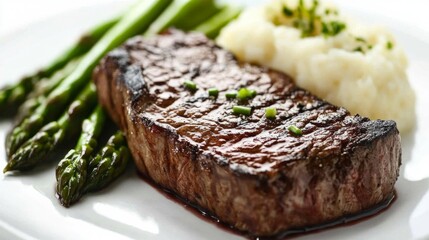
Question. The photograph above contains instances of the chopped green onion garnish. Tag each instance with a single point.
(242, 110)
(213, 92)
(359, 39)
(231, 95)
(270, 112)
(245, 93)
(311, 21)
(358, 49)
(288, 12)
(332, 28)
(389, 45)
(252, 93)
(295, 130)
(190, 85)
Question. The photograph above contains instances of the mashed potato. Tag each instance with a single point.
(349, 64)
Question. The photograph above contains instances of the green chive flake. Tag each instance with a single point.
(242, 110)
(190, 85)
(270, 112)
(252, 93)
(231, 95)
(360, 39)
(311, 20)
(358, 49)
(332, 28)
(245, 93)
(389, 45)
(287, 11)
(295, 130)
(213, 92)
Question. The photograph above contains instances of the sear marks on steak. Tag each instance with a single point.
(250, 172)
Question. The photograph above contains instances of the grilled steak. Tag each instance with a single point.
(249, 171)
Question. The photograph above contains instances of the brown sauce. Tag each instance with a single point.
(347, 220)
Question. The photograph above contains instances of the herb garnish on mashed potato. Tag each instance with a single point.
(350, 64)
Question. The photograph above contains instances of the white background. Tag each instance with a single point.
(17, 14)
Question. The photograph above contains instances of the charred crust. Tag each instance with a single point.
(377, 129)
(134, 82)
(121, 57)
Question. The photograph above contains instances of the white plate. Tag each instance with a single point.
(131, 209)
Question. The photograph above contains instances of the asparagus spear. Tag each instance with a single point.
(71, 172)
(203, 11)
(41, 90)
(186, 13)
(131, 24)
(109, 164)
(213, 26)
(85, 43)
(11, 97)
(48, 84)
(52, 135)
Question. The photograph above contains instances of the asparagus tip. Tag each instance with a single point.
(65, 204)
(7, 168)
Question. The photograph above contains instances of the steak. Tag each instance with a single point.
(250, 172)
